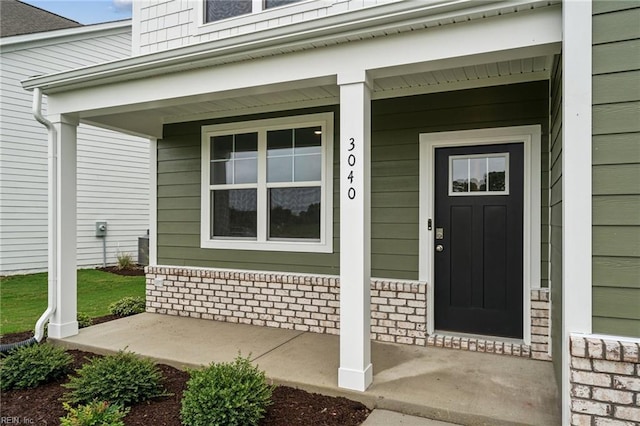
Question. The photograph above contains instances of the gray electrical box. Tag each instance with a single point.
(101, 229)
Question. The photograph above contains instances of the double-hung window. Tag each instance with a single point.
(267, 184)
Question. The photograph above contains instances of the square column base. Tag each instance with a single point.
(60, 331)
(355, 379)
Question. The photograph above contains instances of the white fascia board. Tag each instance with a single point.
(27, 41)
(387, 19)
(533, 33)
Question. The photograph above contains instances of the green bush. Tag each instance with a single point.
(29, 366)
(84, 320)
(226, 394)
(122, 379)
(128, 306)
(96, 413)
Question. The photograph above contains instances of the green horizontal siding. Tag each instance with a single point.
(616, 168)
(622, 148)
(555, 214)
(397, 124)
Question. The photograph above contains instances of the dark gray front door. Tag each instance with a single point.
(478, 246)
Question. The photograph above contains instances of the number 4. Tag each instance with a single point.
(350, 177)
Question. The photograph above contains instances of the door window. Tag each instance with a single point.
(484, 174)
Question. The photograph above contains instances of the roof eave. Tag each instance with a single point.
(390, 18)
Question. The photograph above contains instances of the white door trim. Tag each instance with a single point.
(530, 136)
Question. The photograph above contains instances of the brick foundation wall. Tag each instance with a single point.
(312, 303)
(291, 301)
(605, 381)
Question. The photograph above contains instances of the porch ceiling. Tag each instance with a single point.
(480, 75)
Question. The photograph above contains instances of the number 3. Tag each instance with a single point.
(352, 144)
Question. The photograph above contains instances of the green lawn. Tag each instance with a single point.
(23, 298)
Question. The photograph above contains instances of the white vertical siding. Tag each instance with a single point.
(113, 183)
(166, 24)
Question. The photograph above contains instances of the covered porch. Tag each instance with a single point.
(443, 384)
(343, 68)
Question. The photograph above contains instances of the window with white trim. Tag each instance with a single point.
(267, 184)
(217, 10)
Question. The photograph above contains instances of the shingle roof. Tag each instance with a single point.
(18, 18)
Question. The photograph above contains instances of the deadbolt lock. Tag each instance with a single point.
(439, 233)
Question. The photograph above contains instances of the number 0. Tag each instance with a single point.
(351, 193)
(351, 160)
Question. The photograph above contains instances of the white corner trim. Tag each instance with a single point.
(531, 138)
(153, 201)
(576, 183)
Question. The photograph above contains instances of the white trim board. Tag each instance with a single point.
(530, 136)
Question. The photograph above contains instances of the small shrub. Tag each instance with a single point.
(227, 394)
(96, 413)
(121, 379)
(125, 260)
(84, 320)
(29, 366)
(128, 306)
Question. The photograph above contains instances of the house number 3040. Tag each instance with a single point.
(351, 161)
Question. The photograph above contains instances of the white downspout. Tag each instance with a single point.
(52, 201)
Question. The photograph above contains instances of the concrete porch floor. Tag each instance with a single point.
(467, 388)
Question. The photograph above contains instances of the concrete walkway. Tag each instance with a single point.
(441, 384)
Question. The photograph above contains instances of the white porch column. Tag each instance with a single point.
(62, 225)
(576, 183)
(355, 370)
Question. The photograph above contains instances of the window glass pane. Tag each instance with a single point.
(294, 213)
(497, 168)
(221, 172)
(223, 9)
(268, 4)
(234, 213)
(280, 169)
(246, 146)
(234, 159)
(478, 174)
(308, 168)
(460, 175)
(308, 140)
(246, 171)
(222, 147)
(279, 142)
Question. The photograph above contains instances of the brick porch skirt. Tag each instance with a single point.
(605, 380)
(312, 303)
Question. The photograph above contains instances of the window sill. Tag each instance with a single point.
(292, 246)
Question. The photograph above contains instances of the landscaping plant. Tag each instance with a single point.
(128, 306)
(29, 366)
(84, 320)
(125, 260)
(96, 413)
(122, 379)
(229, 394)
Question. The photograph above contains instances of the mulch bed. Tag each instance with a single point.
(133, 271)
(290, 406)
